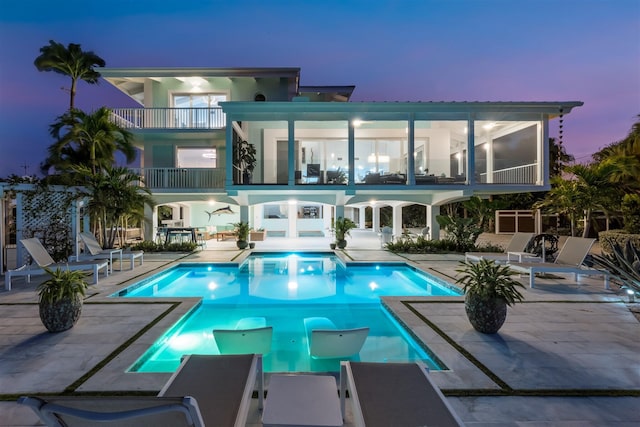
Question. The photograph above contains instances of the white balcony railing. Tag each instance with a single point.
(170, 118)
(525, 174)
(182, 178)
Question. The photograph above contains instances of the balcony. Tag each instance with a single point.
(182, 178)
(525, 174)
(169, 118)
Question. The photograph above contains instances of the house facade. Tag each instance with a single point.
(314, 155)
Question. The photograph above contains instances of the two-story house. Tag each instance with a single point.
(313, 154)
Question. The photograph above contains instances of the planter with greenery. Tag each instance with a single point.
(342, 228)
(244, 161)
(489, 289)
(60, 298)
(242, 234)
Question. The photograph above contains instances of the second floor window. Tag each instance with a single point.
(199, 110)
(196, 158)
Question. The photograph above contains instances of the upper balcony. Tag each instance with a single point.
(170, 118)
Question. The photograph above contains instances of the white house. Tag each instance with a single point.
(318, 155)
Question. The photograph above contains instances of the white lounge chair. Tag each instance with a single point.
(394, 394)
(517, 244)
(251, 336)
(326, 341)
(569, 260)
(121, 411)
(223, 384)
(42, 258)
(95, 251)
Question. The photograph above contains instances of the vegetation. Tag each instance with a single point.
(242, 230)
(62, 284)
(623, 263)
(150, 246)
(462, 232)
(343, 227)
(608, 183)
(115, 199)
(70, 61)
(489, 280)
(244, 160)
(90, 140)
(483, 211)
(84, 150)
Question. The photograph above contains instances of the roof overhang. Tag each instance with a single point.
(397, 110)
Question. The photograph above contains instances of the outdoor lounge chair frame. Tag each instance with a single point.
(121, 411)
(569, 260)
(42, 258)
(402, 394)
(223, 384)
(518, 243)
(95, 251)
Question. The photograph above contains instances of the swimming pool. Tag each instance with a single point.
(284, 289)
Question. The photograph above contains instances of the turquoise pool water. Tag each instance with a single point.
(284, 289)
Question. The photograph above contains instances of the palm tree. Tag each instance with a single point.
(70, 61)
(115, 197)
(595, 191)
(561, 200)
(88, 139)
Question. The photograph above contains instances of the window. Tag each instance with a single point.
(197, 158)
(199, 110)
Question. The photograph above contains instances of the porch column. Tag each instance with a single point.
(471, 153)
(411, 159)
(339, 211)
(397, 221)
(361, 217)
(150, 232)
(293, 220)
(434, 228)
(244, 213)
(375, 218)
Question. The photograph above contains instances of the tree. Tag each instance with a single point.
(87, 139)
(595, 192)
(558, 157)
(115, 198)
(560, 199)
(70, 61)
(483, 211)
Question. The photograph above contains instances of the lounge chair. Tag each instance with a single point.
(325, 341)
(394, 394)
(251, 336)
(222, 384)
(569, 260)
(121, 411)
(95, 251)
(517, 244)
(42, 258)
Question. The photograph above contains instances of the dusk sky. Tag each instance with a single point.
(422, 50)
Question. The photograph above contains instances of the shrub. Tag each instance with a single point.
(463, 232)
(150, 246)
(620, 237)
(631, 213)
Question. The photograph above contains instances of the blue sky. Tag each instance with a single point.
(423, 50)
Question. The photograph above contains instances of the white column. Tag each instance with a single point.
(361, 217)
(151, 213)
(375, 218)
(434, 227)
(293, 220)
(339, 211)
(397, 221)
(244, 213)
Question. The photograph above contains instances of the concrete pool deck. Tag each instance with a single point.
(568, 356)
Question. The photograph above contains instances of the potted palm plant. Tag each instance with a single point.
(242, 234)
(244, 159)
(489, 289)
(60, 298)
(342, 228)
